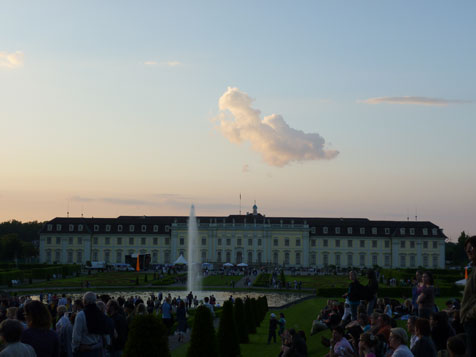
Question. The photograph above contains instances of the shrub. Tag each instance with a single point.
(147, 337)
(262, 280)
(228, 343)
(250, 318)
(203, 339)
(240, 318)
(145, 278)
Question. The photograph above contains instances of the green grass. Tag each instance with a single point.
(220, 280)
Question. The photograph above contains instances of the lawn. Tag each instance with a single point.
(220, 280)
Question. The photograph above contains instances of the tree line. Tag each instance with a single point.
(18, 240)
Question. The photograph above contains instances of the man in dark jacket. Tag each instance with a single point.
(273, 325)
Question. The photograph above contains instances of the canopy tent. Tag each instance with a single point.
(180, 261)
(461, 282)
(207, 266)
(242, 265)
(228, 265)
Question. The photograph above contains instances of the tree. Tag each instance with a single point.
(228, 342)
(250, 317)
(203, 340)
(147, 337)
(10, 247)
(240, 318)
(283, 279)
(256, 312)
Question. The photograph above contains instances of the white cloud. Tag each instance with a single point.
(413, 100)
(151, 63)
(272, 137)
(11, 60)
(173, 63)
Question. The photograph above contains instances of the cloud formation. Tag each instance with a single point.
(11, 60)
(413, 100)
(272, 137)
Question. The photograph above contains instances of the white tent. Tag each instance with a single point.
(207, 266)
(461, 282)
(242, 265)
(180, 260)
(227, 265)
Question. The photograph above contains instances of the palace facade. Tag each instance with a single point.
(252, 238)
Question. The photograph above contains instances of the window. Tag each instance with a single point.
(298, 242)
(325, 243)
(204, 255)
(79, 257)
(119, 228)
(156, 228)
(259, 242)
(167, 241)
(96, 228)
(119, 240)
(325, 230)
(250, 242)
(275, 242)
(219, 257)
(286, 242)
(286, 258)
(337, 230)
(362, 259)
(58, 240)
(167, 257)
(57, 256)
(70, 240)
(402, 244)
(131, 228)
(325, 259)
(313, 242)
(425, 244)
(349, 243)
(313, 259)
(48, 255)
(435, 245)
(387, 244)
(349, 230)
(250, 257)
(71, 228)
(155, 256)
(362, 230)
(108, 227)
(118, 256)
(434, 231)
(167, 228)
(80, 227)
(95, 240)
(412, 261)
(70, 257)
(374, 259)
(156, 241)
(402, 231)
(387, 231)
(237, 243)
(337, 243)
(337, 259)
(131, 240)
(228, 256)
(412, 244)
(275, 258)
(107, 256)
(425, 231)
(387, 260)
(259, 258)
(374, 244)
(58, 227)
(228, 241)
(435, 261)
(95, 255)
(313, 230)
(108, 240)
(350, 260)
(298, 258)
(182, 241)
(80, 240)
(49, 227)
(219, 241)
(362, 244)
(403, 261)
(204, 241)
(412, 231)
(143, 228)
(425, 260)
(142, 241)
(374, 230)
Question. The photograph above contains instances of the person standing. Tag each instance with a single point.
(273, 325)
(10, 334)
(282, 324)
(182, 321)
(426, 299)
(468, 304)
(119, 335)
(353, 295)
(372, 289)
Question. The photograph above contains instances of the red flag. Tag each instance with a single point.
(137, 264)
(466, 273)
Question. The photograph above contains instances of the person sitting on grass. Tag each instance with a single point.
(398, 342)
(367, 345)
(424, 347)
(339, 345)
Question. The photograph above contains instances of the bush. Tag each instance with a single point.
(262, 280)
(203, 340)
(240, 319)
(250, 318)
(228, 343)
(147, 337)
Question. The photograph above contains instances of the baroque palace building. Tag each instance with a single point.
(252, 238)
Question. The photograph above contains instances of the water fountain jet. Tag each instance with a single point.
(194, 278)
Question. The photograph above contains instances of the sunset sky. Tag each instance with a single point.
(311, 108)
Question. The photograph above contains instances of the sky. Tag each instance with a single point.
(310, 108)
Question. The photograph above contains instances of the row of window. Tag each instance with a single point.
(143, 228)
(109, 240)
(350, 243)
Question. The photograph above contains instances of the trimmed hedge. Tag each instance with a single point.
(7, 277)
(262, 280)
(393, 292)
